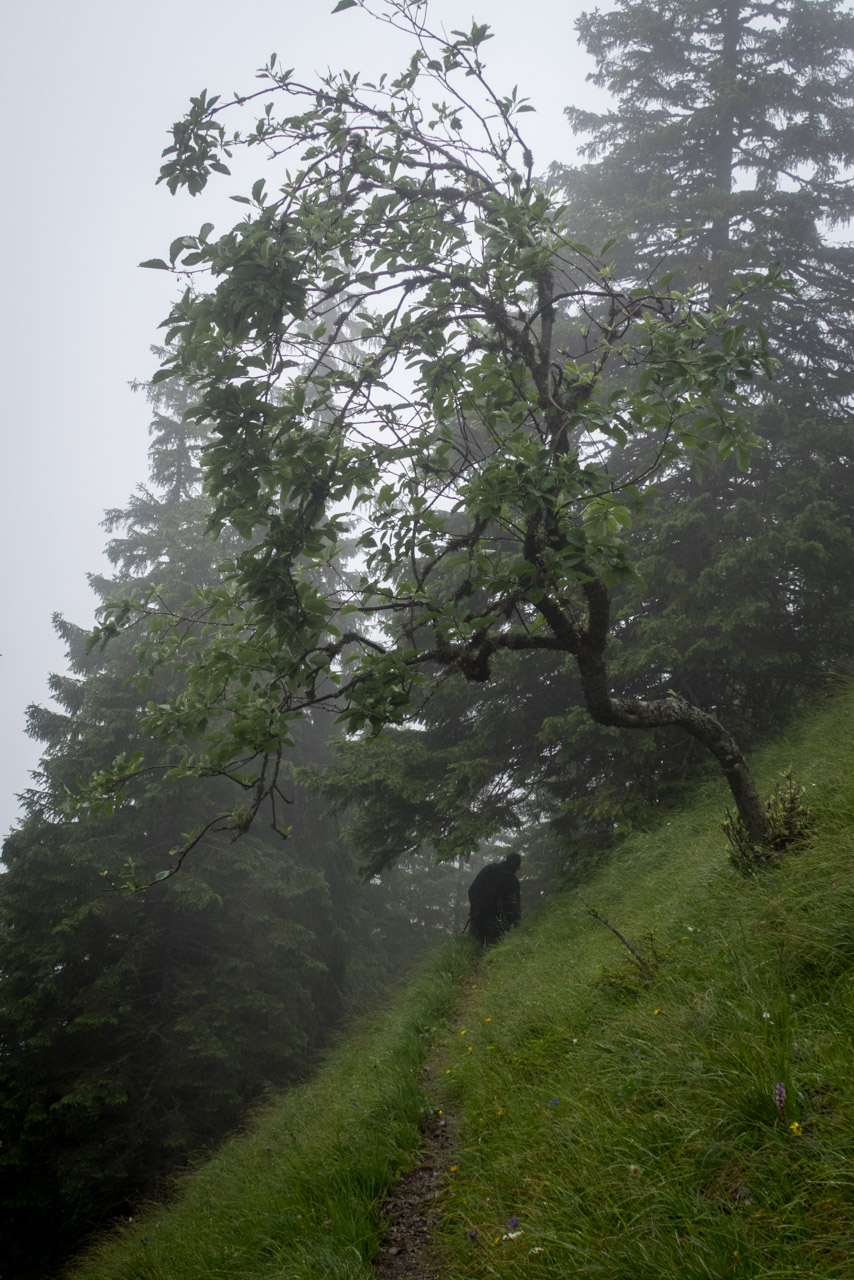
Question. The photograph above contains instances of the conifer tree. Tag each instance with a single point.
(136, 1026)
(729, 146)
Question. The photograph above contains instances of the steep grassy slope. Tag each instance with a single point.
(295, 1195)
(610, 1123)
(637, 1135)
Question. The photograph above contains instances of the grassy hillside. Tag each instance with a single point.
(695, 1122)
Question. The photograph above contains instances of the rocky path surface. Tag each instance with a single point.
(411, 1212)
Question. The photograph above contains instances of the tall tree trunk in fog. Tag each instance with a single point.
(723, 150)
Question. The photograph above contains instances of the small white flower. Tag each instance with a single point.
(765, 1014)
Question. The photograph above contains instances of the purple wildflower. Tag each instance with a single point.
(513, 1222)
(780, 1096)
(554, 1102)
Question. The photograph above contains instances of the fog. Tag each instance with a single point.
(89, 92)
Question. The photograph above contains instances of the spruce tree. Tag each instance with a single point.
(135, 1027)
(729, 146)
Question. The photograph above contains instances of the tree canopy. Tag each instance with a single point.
(401, 351)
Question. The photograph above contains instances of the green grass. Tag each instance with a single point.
(634, 1134)
(631, 1129)
(295, 1196)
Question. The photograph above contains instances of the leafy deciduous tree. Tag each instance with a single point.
(407, 333)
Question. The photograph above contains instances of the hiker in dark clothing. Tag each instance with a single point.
(495, 900)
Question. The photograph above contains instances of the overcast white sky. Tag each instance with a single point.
(89, 89)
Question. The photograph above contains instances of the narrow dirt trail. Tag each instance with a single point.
(412, 1210)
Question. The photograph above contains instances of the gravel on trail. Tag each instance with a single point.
(411, 1213)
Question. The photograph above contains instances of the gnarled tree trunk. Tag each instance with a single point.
(587, 646)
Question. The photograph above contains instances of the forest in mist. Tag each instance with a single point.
(491, 504)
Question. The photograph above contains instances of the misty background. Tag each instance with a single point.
(89, 92)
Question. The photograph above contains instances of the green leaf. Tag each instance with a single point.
(178, 245)
(344, 4)
(156, 263)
